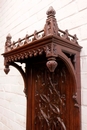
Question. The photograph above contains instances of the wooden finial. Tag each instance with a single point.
(8, 37)
(51, 12)
(8, 43)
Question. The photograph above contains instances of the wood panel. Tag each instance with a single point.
(52, 106)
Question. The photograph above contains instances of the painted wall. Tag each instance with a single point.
(19, 17)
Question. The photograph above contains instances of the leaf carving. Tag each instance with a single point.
(55, 109)
(61, 122)
(45, 117)
(45, 98)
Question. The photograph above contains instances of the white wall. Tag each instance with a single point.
(19, 17)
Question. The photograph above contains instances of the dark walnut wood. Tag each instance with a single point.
(51, 76)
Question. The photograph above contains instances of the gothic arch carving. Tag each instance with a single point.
(69, 65)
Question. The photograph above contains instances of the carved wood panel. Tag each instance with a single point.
(52, 98)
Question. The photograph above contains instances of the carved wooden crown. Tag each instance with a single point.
(51, 40)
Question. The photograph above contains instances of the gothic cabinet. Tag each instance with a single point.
(51, 76)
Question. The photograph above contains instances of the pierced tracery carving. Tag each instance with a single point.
(29, 39)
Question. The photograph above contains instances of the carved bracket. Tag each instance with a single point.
(19, 68)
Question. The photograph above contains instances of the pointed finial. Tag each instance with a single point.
(51, 12)
(8, 43)
(8, 36)
(6, 69)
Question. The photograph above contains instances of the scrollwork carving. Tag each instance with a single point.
(26, 39)
(36, 36)
(66, 35)
(13, 45)
(20, 43)
(75, 39)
